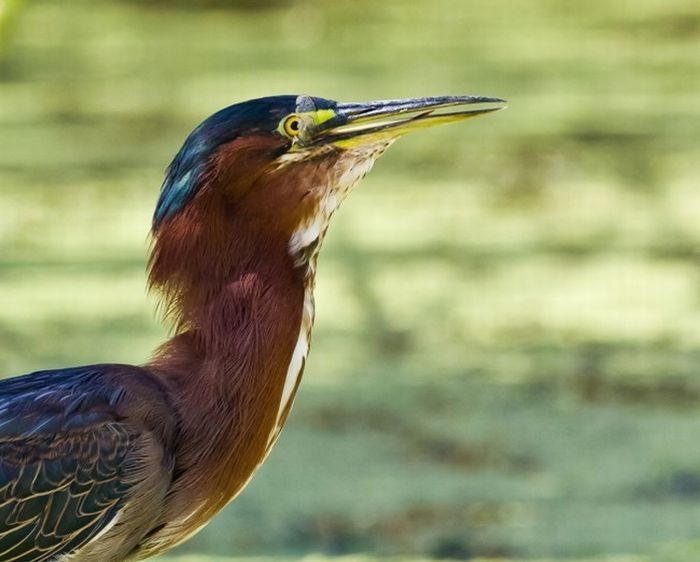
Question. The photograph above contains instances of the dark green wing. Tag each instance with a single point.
(68, 461)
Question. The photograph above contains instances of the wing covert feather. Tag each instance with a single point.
(71, 457)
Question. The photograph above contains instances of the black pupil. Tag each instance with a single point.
(294, 124)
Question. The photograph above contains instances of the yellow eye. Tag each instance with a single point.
(292, 126)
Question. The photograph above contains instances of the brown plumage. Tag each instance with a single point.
(113, 462)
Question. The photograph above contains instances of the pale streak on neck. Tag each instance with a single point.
(310, 234)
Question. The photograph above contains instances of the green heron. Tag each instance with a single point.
(115, 462)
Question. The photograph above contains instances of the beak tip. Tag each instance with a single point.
(484, 99)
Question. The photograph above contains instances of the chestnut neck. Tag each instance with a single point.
(210, 266)
(235, 297)
(238, 301)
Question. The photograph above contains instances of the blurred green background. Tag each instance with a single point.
(506, 355)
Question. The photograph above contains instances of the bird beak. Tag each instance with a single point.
(355, 124)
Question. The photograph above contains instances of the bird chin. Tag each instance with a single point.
(351, 166)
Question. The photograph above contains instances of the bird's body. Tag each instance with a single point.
(115, 462)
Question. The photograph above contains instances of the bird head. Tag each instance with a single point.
(269, 138)
(271, 171)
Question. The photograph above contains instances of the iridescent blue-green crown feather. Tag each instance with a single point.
(184, 175)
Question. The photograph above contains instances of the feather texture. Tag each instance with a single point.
(76, 446)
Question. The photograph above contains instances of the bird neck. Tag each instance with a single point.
(221, 275)
(240, 305)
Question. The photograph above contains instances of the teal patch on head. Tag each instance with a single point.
(176, 191)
